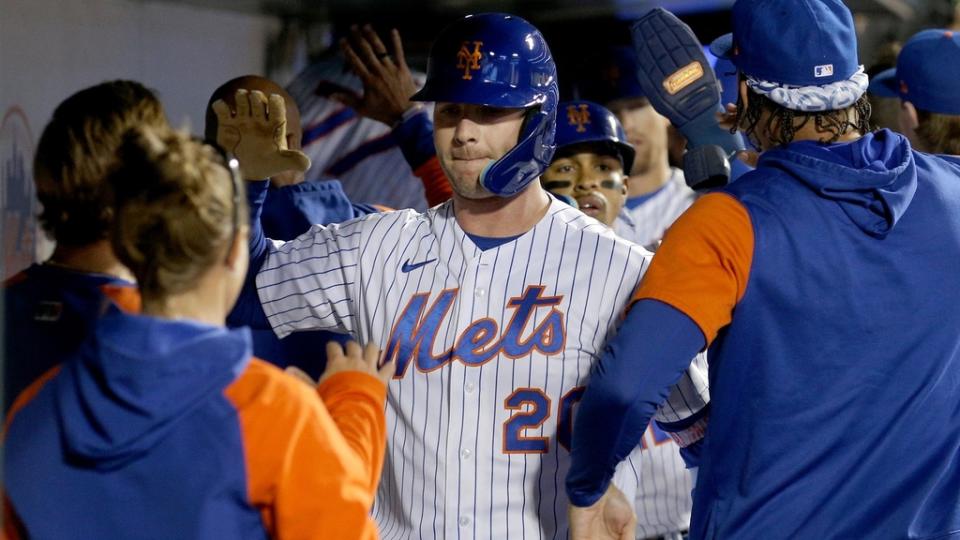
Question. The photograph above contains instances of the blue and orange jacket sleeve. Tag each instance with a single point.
(703, 265)
(12, 527)
(302, 474)
(355, 402)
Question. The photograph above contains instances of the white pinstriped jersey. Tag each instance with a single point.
(493, 349)
(655, 215)
(345, 146)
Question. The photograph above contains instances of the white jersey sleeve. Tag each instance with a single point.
(309, 283)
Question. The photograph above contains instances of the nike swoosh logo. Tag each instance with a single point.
(407, 267)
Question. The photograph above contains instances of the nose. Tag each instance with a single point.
(465, 133)
(589, 181)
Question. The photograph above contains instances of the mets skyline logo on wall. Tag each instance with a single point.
(17, 197)
(468, 60)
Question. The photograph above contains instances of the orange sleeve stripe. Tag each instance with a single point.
(126, 298)
(13, 528)
(435, 184)
(383, 208)
(703, 265)
(356, 402)
(301, 473)
(28, 394)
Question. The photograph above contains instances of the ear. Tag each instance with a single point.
(626, 184)
(909, 121)
(237, 251)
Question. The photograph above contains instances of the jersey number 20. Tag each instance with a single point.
(538, 409)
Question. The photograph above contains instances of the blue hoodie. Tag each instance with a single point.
(835, 348)
(135, 438)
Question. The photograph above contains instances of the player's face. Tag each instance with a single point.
(468, 138)
(646, 131)
(596, 181)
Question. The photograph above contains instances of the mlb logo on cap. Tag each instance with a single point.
(823, 71)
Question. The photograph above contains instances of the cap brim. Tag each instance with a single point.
(884, 84)
(722, 47)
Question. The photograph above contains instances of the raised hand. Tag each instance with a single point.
(387, 81)
(257, 135)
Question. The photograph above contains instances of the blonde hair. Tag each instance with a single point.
(77, 151)
(939, 133)
(178, 209)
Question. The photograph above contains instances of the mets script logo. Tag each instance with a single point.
(469, 61)
(415, 331)
(579, 116)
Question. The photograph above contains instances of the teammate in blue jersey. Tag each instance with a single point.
(50, 307)
(818, 283)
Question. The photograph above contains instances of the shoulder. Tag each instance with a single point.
(29, 394)
(574, 221)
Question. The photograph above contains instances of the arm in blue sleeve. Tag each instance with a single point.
(248, 311)
(632, 378)
(290, 211)
(414, 136)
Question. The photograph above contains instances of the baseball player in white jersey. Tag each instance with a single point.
(344, 145)
(588, 167)
(494, 305)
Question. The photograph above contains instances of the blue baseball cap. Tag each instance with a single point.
(791, 42)
(927, 73)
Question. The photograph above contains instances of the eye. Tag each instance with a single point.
(449, 110)
(603, 167)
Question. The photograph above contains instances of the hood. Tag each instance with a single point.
(135, 378)
(873, 179)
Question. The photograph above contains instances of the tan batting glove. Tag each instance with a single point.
(257, 135)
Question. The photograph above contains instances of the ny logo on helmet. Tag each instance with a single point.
(579, 116)
(469, 61)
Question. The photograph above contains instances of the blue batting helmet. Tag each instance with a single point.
(587, 122)
(499, 60)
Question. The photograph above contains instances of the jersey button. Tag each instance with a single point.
(464, 521)
(469, 387)
(480, 293)
(465, 453)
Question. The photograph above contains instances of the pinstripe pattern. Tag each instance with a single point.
(652, 218)
(447, 474)
(380, 175)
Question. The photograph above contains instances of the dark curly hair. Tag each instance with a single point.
(782, 124)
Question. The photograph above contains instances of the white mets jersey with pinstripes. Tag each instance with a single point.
(655, 215)
(493, 349)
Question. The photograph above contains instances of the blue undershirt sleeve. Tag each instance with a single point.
(414, 136)
(633, 377)
(248, 311)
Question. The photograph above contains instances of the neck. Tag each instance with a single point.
(95, 258)
(189, 305)
(498, 217)
(649, 180)
(206, 302)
